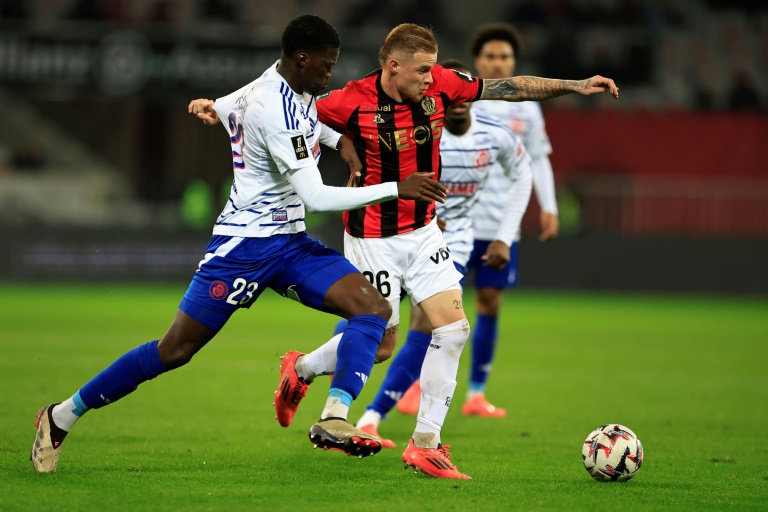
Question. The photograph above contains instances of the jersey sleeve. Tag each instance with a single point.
(513, 157)
(459, 87)
(287, 147)
(328, 136)
(332, 109)
(536, 140)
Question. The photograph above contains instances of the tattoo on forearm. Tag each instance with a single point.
(527, 88)
(457, 304)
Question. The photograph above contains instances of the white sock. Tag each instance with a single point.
(369, 417)
(438, 381)
(334, 408)
(63, 414)
(320, 361)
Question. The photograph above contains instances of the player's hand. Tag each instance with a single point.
(496, 256)
(203, 109)
(598, 84)
(349, 155)
(441, 224)
(422, 187)
(550, 226)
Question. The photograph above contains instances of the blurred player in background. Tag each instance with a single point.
(495, 48)
(259, 241)
(473, 145)
(395, 118)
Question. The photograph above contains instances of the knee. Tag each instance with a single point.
(488, 302)
(381, 308)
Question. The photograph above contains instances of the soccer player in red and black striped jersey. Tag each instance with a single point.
(394, 117)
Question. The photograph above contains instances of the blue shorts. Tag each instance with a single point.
(486, 277)
(236, 270)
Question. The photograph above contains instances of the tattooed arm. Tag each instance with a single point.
(527, 88)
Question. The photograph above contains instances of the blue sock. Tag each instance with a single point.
(484, 337)
(403, 372)
(123, 376)
(356, 353)
(340, 327)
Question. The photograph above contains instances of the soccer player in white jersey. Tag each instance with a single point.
(495, 49)
(259, 241)
(474, 145)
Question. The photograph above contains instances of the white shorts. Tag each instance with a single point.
(417, 262)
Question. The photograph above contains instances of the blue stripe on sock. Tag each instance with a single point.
(342, 395)
(80, 407)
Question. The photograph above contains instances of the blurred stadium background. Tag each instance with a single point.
(104, 176)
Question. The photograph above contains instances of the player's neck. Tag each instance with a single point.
(291, 76)
(389, 87)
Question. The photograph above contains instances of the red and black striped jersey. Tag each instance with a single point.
(393, 140)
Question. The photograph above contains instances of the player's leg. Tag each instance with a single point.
(490, 286)
(402, 375)
(335, 286)
(205, 308)
(433, 282)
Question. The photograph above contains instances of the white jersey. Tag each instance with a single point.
(467, 161)
(272, 130)
(526, 120)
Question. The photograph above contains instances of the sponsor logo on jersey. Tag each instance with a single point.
(218, 290)
(322, 96)
(464, 76)
(377, 119)
(378, 108)
(316, 150)
(429, 105)
(279, 216)
(461, 189)
(399, 140)
(300, 147)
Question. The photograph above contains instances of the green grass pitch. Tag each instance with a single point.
(689, 375)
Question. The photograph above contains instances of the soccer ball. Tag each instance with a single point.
(612, 453)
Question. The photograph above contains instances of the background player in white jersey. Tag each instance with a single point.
(495, 49)
(473, 146)
(259, 242)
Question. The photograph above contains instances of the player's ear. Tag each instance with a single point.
(302, 58)
(393, 65)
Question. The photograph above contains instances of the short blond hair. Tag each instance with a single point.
(408, 38)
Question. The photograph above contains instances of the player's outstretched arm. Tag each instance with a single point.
(533, 88)
(203, 109)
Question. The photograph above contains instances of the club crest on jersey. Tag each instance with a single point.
(377, 119)
(300, 147)
(429, 105)
(279, 216)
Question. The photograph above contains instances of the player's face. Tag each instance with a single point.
(495, 60)
(317, 69)
(458, 113)
(414, 75)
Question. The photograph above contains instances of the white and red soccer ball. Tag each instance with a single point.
(612, 453)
